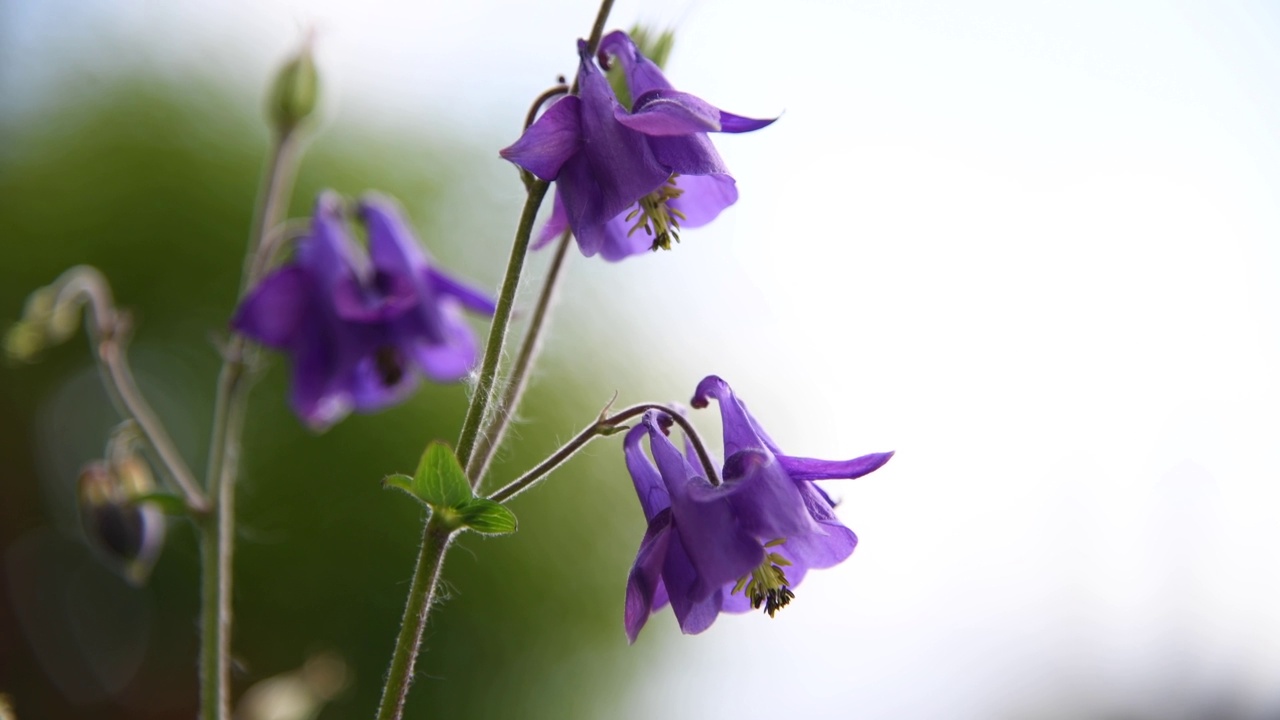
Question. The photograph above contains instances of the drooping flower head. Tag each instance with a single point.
(629, 178)
(741, 544)
(361, 329)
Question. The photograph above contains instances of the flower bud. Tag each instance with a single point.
(293, 96)
(128, 534)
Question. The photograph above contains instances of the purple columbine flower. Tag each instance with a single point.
(361, 328)
(741, 544)
(622, 170)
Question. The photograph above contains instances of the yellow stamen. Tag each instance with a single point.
(767, 584)
(659, 221)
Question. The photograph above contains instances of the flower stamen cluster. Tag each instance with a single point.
(660, 220)
(767, 584)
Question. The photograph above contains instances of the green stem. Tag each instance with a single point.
(229, 411)
(108, 331)
(491, 440)
(426, 577)
(431, 554)
(479, 407)
(606, 425)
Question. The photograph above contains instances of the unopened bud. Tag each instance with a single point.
(126, 533)
(296, 89)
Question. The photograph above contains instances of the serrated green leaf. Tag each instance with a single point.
(168, 504)
(440, 481)
(488, 517)
(401, 482)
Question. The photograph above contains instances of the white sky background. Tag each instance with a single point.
(1033, 247)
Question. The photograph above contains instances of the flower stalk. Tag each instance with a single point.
(518, 381)
(230, 406)
(431, 554)
(52, 316)
(436, 538)
(603, 426)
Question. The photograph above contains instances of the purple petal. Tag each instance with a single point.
(688, 154)
(645, 577)
(393, 248)
(714, 387)
(470, 298)
(731, 123)
(734, 602)
(693, 611)
(668, 113)
(274, 311)
(809, 469)
(318, 394)
(765, 501)
(648, 483)
(616, 166)
(556, 224)
(827, 548)
(383, 378)
(717, 545)
(614, 240)
(550, 141)
(739, 431)
(703, 198)
(327, 252)
(642, 74)
(454, 355)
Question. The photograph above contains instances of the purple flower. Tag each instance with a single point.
(741, 544)
(621, 170)
(361, 329)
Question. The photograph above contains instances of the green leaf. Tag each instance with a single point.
(401, 482)
(488, 517)
(440, 481)
(168, 504)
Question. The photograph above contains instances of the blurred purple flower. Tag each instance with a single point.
(361, 329)
(621, 170)
(742, 544)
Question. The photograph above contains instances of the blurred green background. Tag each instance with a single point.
(153, 181)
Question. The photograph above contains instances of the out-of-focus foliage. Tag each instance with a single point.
(154, 184)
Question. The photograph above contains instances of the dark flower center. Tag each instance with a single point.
(767, 584)
(660, 221)
(389, 364)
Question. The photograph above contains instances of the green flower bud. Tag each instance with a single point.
(297, 87)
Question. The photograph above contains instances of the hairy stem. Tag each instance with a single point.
(479, 408)
(492, 439)
(426, 577)
(229, 410)
(109, 335)
(432, 552)
(605, 425)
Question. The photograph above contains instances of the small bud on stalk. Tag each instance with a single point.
(126, 531)
(296, 89)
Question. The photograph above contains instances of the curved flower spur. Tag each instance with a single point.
(741, 542)
(628, 179)
(361, 329)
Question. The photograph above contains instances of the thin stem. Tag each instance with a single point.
(605, 426)
(229, 411)
(479, 407)
(431, 554)
(426, 577)
(109, 334)
(489, 443)
(597, 29)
